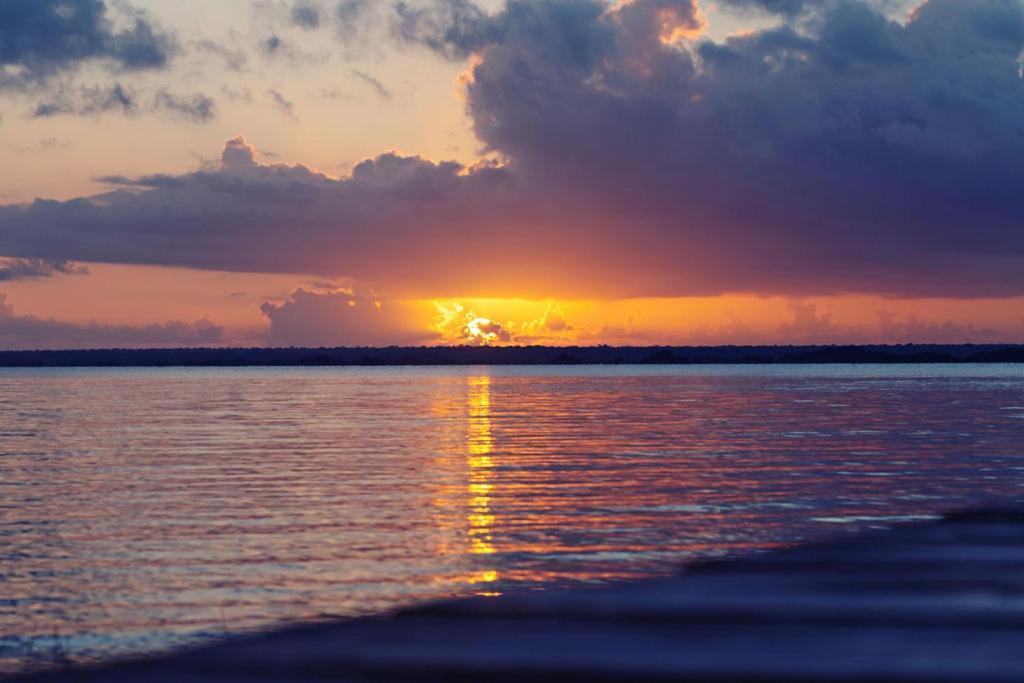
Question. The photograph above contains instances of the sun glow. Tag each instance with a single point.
(485, 331)
(727, 319)
(458, 324)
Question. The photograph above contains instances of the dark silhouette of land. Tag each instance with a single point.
(516, 355)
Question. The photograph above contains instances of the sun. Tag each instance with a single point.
(484, 331)
(475, 327)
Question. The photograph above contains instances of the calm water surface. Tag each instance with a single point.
(146, 509)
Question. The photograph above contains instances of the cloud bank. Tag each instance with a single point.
(838, 151)
(34, 269)
(338, 316)
(32, 332)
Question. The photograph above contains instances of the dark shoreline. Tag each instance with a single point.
(516, 355)
(914, 603)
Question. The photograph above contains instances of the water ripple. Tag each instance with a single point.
(147, 509)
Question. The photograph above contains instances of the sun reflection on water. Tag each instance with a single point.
(147, 509)
(479, 446)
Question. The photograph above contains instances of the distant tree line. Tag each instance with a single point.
(515, 355)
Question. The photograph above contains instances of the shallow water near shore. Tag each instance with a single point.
(142, 510)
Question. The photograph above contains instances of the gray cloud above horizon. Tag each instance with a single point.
(337, 317)
(26, 332)
(838, 151)
(33, 269)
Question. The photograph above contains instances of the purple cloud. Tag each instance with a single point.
(338, 317)
(839, 151)
(33, 269)
(28, 332)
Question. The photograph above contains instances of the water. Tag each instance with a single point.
(146, 509)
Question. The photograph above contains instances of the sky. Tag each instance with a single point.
(376, 172)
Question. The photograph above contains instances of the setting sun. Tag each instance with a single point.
(317, 310)
(486, 331)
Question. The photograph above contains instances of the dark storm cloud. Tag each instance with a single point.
(838, 151)
(39, 38)
(848, 153)
(33, 269)
(33, 332)
(276, 218)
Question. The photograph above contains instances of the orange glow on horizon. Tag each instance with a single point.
(125, 296)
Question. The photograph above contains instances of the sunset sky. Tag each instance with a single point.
(372, 172)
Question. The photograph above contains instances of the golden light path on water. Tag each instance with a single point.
(147, 509)
(480, 444)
